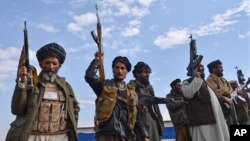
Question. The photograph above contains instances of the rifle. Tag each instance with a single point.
(98, 41)
(195, 59)
(150, 100)
(241, 79)
(24, 60)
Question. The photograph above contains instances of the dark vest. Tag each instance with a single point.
(199, 108)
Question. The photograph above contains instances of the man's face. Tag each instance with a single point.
(219, 70)
(50, 64)
(177, 88)
(119, 71)
(143, 77)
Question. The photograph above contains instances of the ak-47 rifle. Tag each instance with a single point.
(150, 100)
(24, 60)
(98, 40)
(195, 59)
(241, 79)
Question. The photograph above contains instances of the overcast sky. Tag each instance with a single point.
(153, 31)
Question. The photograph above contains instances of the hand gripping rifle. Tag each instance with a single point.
(241, 79)
(150, 100)
(98, 40)
(195, 59)
(24, 60)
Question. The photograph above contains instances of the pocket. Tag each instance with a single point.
(55, 113)
(105, 103)
(44, 112)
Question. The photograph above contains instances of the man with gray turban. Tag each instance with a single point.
(116, 103)
(49, 110)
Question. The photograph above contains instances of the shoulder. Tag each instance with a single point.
(109, 82)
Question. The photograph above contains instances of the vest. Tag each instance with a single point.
(199, 108)
(106, 102)
(51, 117)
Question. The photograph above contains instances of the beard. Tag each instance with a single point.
(178, 91)
(220, 74)
(144, 81)
(48, 76)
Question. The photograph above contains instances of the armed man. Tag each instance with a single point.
(205, 116)
(48, 109)
(223, 91)
(151, 116)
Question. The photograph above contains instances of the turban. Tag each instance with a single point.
(139, 67)
(123, 60)
(51, 50)
(173, 83)
(214, 64)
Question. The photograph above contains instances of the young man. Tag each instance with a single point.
(48, 111)
(178, 112)
(205, 116)
(151, 117)
(116, 103)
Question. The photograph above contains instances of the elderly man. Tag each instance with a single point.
(116, 103)
(48, 111)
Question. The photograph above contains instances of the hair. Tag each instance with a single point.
(123, 60)
(213, 65)
(139, 67)
(173, 83)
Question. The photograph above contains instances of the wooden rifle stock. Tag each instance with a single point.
(98, 39)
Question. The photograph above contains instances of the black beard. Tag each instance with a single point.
(144, 81)
(179, 91)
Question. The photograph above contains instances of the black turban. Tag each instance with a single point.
(123, 60)
(213, 65)
(51, 50)
(173, 83)
(139, 67)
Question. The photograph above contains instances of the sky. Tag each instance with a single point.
(153, 31)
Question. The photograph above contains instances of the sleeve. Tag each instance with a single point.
(19, 100)
(76, 107)
(92, 79)
(140, 130)
(189, 89)
(173, 105)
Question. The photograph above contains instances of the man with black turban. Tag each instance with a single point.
(49, 110)
(116, 103)
(178, 112)
(151, 117)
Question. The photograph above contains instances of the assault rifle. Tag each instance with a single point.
(195, 59)
(98, 39)
(242, 80)
(150, 100)
(24, 60)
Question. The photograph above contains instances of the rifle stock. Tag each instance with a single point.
(98, 40)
